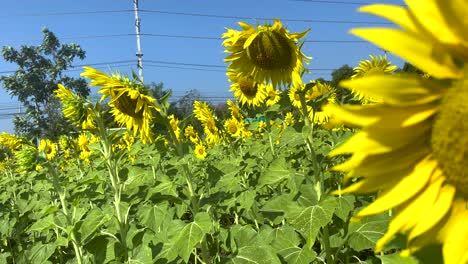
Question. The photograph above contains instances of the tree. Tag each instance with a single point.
(343, 73)
(410, 68)
(40, 69)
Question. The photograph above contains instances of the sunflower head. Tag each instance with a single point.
(449, 141)
(26, 158)
(11, 142)
(200, 151)
(235, 110)
(272, 95)
(376, 65)
(75, 108)
(412, 146)
(294, 94)
(266, 53)
(233, 127)
(130, 102)
(246, 90)
(191, 134)
(47, 148)
(289, 119)
(174, 123)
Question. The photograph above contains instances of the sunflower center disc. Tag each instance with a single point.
(449, 136)
(248, 88)
(128, 105)
(270, 51)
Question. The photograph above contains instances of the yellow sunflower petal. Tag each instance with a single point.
(416, 90)
(414, 49)
(406, 188)
(409, 214)
(437, 211)
(397, 14)
(455, 232)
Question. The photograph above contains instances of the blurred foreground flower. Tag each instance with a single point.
(413, 146)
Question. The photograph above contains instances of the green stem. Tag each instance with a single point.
(326, 245)
(62, 194)
(113, 169)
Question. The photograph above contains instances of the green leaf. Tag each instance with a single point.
(297, 255)
(43, 224)
(284, 237)
(154, 216)
(191, 235)
(93, 220)
(39, 253)
(365, 233)
(398, 259)
(256, 255)
(345, 205)
(275, 173)
(309, 220)
(308, 195)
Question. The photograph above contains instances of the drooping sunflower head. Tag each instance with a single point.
(289, 119)
(272, 95)
(376, 65)
(204, 114)
(267, 53)
(47, 148)
(320, 89)
(191, 134)
(75, 108)
(174, 123)
(412, 147)
(11, 142)
(246, 90)
(235, 110)
(130, 102)
(26, 158)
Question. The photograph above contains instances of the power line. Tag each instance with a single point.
(211, 15)
(334, 2)
(66, 13)
(179, 37)
(264, 18)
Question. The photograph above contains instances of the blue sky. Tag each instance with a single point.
(176, 61)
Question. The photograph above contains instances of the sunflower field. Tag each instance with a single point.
(296, 173)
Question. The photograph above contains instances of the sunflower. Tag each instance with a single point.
(289, 119)
(294, 95)
(265, 53)
(200, 151)
(320, 89)
(11, 142)
(26, 158)
(203, 113)
(376, 65)
(246, 90)
(47, 147)
(412, 147)
(174, 123)
(273, 95)
(130, 102)
(235, 110)
(191, 134)
(75, 108)
(233, 127)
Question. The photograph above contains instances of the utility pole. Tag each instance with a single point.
(139, 54)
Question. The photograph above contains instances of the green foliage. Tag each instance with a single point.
(343, 73)
(40, 69)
